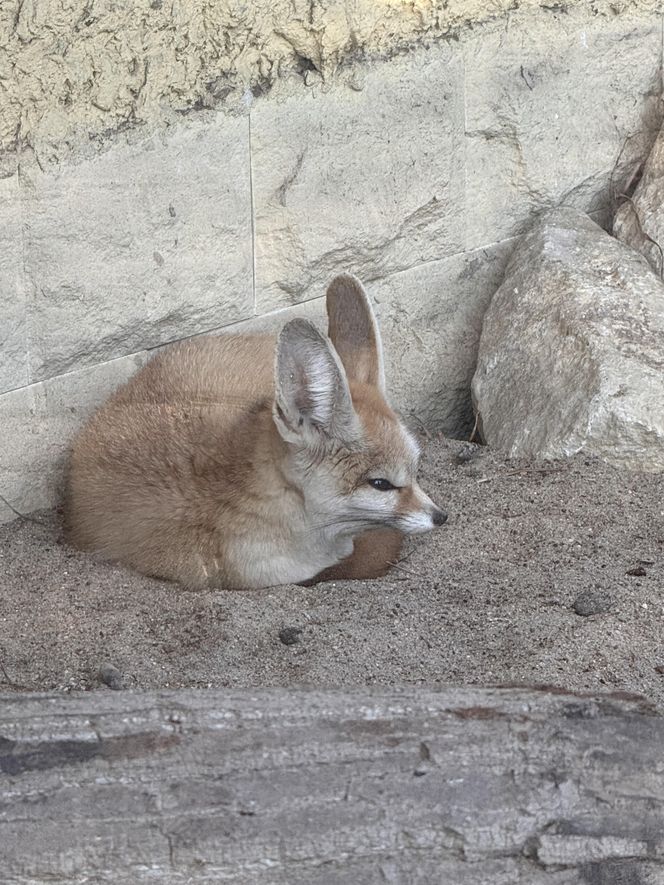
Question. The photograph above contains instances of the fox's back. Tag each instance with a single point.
(233, 371)
(166, 441)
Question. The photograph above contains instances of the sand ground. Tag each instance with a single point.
(491, 598)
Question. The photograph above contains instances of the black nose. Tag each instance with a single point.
(439, 517)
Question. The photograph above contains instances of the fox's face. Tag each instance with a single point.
(371, 480)
(353, 460)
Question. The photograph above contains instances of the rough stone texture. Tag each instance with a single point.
(463, 786)
(639, 221)
(70, 68)
(370, 179)
(148, 242)
(571, 356)
(38, 423)
(430, 319)
(556, 112)
(448, 149)
(13, 328)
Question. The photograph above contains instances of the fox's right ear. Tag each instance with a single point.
(354, 331)
(312, 401)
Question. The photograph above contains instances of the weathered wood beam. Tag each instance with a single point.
(415, 785)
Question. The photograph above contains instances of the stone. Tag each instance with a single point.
(111, 676)
(145, 243)
(554, 113)
(38, 424)
(370, 181)
(13, 332)
(639, 221)
(468, 452)
(571, 356)
(290, 635)
(592, 602)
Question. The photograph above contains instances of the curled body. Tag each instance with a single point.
(252, 460)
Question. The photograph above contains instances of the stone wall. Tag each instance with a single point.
(174, 168)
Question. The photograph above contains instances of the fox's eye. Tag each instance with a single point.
(382, 485)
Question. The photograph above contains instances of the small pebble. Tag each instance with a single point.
(111, 676)
(290, 635)
(592, 602)
(467, 453)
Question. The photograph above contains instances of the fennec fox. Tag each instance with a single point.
(252, 460)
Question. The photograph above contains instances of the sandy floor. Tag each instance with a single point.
(488, 599)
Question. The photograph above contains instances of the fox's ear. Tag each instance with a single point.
(312, 401)
(354, 331)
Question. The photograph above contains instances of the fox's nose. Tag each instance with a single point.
(439, 517)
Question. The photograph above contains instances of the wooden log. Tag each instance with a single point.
(456, 786)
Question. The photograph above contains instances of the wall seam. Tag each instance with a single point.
(464, 98)
(24, 279)
(253, 224)
(661, 61)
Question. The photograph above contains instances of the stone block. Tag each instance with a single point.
(431, 319)
(366, 177)
(13, 326)
(559, 105)
(38, 423)
(145, 243)
(571, 356)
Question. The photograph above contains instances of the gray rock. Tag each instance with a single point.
(571, 356)
(111, 676)
(290, 635)
(639, 222)
(592, 602)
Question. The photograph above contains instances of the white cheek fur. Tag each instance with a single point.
(415, 523)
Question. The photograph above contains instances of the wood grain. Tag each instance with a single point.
(453, 786)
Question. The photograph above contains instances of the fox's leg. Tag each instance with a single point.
(373, 554)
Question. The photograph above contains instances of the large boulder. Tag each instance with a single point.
(639, 221)
(571, 355)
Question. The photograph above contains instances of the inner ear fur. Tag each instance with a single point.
(354, 332)
(312, 398)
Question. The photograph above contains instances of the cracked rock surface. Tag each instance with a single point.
(74, 70)
(639, 221)
(571, 355)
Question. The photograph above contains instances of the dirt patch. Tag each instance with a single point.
(488, 599)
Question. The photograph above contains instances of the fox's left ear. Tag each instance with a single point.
(312, 401)
(354, 331)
